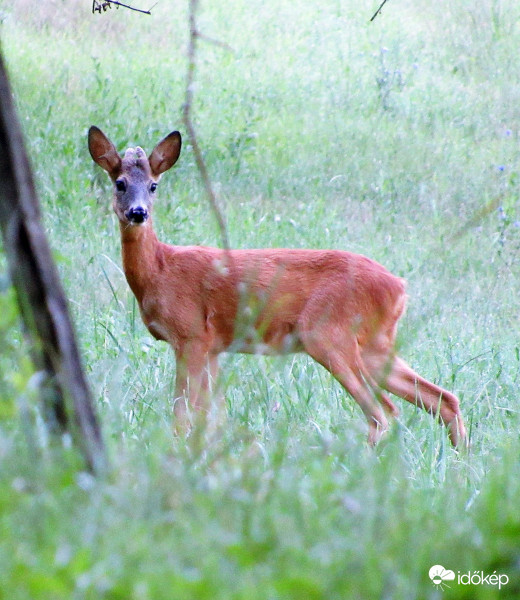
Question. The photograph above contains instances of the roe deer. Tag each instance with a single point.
(340, 308)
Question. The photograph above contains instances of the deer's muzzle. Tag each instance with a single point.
(137, 214)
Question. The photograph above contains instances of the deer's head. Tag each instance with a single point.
(134, 175)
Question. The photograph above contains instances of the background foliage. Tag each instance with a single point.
(396, 139)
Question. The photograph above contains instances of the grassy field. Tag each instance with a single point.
(398, 139)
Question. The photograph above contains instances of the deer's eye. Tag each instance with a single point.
(153, 187)
(120, 185)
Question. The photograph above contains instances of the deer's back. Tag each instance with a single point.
(264, 293)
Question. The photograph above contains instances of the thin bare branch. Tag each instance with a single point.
(188, 103)
(215, 42)
(102, 5)
(478, 217)
(378, 10)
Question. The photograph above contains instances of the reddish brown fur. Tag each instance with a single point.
(340, 308)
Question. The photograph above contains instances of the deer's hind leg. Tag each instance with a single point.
(394, 375)
(403, 381)
(344, 362)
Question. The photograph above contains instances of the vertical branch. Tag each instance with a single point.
(67, 404)
(188, 103)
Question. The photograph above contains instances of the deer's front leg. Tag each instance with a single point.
(196, 372)
(209, 384)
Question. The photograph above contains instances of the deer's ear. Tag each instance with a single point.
(103, 152)
(165, 154)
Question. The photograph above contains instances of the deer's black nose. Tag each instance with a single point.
(137, 215)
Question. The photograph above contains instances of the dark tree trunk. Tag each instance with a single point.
(67, 403)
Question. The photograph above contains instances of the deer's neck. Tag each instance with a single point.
(140, 249)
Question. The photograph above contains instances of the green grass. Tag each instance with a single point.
(397, 139)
